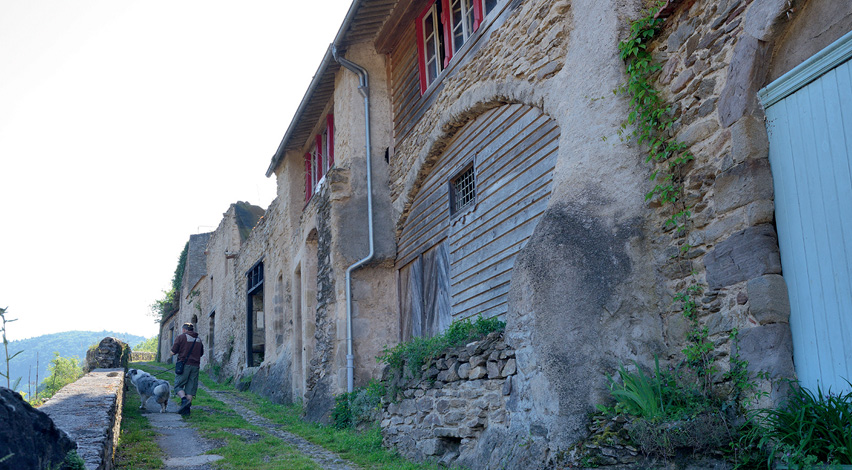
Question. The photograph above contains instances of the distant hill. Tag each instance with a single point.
(67, 344)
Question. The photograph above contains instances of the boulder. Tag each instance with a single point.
(29, 435)
(109, 354)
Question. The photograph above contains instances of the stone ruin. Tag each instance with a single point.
(110, 353)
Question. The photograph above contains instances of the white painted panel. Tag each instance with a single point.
(810, 134)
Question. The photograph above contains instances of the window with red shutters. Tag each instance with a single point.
(320, 158)
(442, 29)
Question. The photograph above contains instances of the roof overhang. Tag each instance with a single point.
(362, 22)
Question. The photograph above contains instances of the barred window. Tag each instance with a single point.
(462, 190)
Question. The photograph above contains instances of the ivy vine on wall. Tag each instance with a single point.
(651, 120)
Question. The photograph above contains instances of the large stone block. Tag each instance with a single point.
(749, 139)
(768, 299)
(768, 349)
(745, 76)
(273, 380)
(764, 17)
(29, 435)
(744, 255)
(742, 184)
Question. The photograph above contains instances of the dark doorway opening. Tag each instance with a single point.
(255, 332)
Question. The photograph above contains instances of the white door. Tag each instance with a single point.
(809, 120)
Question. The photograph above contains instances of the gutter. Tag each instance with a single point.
(364, 89)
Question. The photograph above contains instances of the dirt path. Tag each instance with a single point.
(184, 449)
(324, 458)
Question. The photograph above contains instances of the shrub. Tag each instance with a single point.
(363, 405)
(73, 461)
(416, 352)
(808, 428)
(661, 396)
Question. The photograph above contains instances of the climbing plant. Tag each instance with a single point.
(170, 301)
(651, 120)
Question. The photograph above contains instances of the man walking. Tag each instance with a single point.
(189, 350)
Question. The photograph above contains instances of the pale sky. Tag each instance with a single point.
(126, 126)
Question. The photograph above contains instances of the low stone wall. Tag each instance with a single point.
(442, 414)
(89, 410)
(141, 356)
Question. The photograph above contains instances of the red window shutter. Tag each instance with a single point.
(329, 126)
(308, 177)
(319, 156)
(446, 21)
(421, 50)
(478, 10)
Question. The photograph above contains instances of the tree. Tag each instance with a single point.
(171, 298)
(6, 349)
(149, 345)
(63, 371)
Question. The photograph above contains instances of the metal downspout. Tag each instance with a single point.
(364, 89)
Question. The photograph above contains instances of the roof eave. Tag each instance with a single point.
(315, 82)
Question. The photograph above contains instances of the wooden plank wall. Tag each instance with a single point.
(406, 102)
(514, 149)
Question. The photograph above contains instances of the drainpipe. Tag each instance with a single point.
(364, 89)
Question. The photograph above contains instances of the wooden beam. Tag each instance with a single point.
(401, 18)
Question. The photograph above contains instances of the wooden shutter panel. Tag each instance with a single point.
(329, 125)
(319, 156)
(308, 177)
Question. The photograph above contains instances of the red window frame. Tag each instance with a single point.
(309, 186)
(446, 28)
(314, 170)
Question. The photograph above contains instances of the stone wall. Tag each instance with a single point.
(108, 354)
(716, 56)
(89, 410)
(595, 283)
(142, 356)
(442, 414)
(224, 244)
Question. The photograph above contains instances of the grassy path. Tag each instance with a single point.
(247, 431)
(327, 460)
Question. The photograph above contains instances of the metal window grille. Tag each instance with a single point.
(462, 190)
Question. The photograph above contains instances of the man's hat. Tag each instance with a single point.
(188, 327)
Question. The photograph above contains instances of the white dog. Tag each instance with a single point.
(149, 386)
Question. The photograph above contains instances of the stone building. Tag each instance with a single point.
(208, 282)
(502, 186)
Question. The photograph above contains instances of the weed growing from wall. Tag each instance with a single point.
(417, 351)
